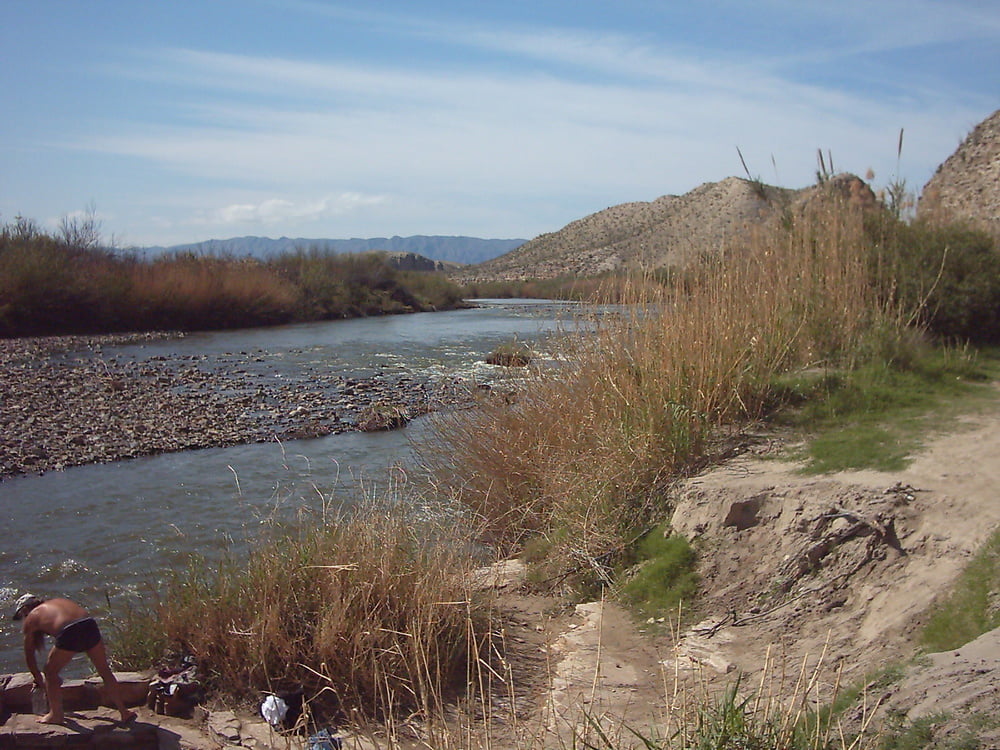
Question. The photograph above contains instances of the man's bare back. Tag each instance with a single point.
(53, 615)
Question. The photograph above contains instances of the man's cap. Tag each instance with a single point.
(27, 601)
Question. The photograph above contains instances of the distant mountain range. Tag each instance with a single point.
(467, 250)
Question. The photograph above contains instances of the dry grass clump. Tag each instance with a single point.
(588, 450)
(366, 613)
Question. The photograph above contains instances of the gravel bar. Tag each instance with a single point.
(63, 402)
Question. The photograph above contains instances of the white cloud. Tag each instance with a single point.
(281, 210)
(419, 130)
(544, 136)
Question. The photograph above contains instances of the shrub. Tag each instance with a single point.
(343, 285)
(73, 285)
(947, 278)
(510, 354)
(195, 293)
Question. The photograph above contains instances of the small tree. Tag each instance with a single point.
(81, 230)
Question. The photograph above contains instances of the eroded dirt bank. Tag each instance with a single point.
(835, 573)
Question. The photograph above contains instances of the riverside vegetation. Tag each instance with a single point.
(373, 612)
(70, 283)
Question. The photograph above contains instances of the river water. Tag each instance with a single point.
(109, 533)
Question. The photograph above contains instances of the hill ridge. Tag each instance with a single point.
(666, 231)
(965, 185)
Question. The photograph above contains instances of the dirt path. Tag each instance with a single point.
(834, 573)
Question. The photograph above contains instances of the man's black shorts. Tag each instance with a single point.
(79, 635)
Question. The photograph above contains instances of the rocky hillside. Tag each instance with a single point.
(669, 231)
(967, 185)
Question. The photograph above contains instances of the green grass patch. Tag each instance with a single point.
(859, 446)
(664, 576)
(875, 416)
(922, 733)
(973, 607)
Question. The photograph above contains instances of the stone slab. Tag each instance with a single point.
(16, 694)
(78, 695)
(83, 730)
(225, 726)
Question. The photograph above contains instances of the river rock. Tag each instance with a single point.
(134, 688)
(225, 726)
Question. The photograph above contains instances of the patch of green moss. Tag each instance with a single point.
(663, 576)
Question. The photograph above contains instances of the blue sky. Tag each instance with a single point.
(194, 119)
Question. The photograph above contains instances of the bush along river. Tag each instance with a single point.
(103, 491)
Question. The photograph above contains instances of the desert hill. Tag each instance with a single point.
(967, 185)
(667, 232)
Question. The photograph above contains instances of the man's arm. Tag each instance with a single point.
(31, 641)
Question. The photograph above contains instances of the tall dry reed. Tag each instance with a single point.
(366, 612)
(586, 452)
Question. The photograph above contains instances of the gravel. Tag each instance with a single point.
(63, 402)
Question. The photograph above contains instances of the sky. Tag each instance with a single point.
(190, 120)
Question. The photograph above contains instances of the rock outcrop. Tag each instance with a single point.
(667, 231)
(966, 186)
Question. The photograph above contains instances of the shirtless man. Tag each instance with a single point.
(75, 631)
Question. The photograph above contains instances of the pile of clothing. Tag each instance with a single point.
(176, 690)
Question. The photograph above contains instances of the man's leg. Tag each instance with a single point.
(99, 657)
(58, 658)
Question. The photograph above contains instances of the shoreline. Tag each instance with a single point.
(66, 404)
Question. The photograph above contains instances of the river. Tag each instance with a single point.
(108, 533)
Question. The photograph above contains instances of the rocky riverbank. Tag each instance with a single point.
(65, 402)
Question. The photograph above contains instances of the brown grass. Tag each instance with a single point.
(204, 292)
(51, 286)
(587, 451)
(364, 611)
